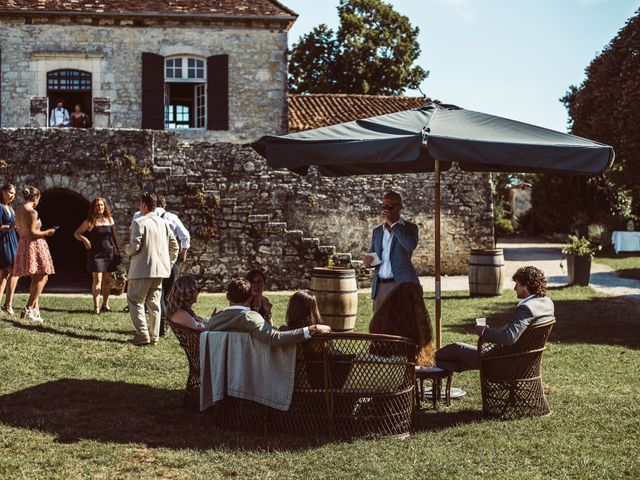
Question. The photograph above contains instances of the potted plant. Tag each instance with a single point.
(579, 252)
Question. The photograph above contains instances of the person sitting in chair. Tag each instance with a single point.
(534, 307)
(180, 303)
(238, 317)
(403, 313)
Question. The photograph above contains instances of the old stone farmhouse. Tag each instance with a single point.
(174, 91)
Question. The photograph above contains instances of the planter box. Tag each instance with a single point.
(578, 270)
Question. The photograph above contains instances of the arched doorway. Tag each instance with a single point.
(67, 209)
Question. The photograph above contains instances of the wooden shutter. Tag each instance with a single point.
(218, 92)
(152, 91)
(0, 88)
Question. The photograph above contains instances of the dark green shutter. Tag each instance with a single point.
(152, 91)
(218, 92)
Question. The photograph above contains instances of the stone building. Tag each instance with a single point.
(214, 70)
(127, 67)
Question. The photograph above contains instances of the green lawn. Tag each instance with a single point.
(76, 401)
(626, 265)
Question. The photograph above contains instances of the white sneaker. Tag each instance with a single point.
(34, 316)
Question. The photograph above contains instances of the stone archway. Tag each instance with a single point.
(67, 209)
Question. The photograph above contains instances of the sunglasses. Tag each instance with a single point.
(388, 206)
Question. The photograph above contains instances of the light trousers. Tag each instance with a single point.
(143, 292)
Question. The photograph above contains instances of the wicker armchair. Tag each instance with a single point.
(189, 339)
(346, 384)
(510, 375)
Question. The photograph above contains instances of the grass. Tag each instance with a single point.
(626, 265)
(77, 401)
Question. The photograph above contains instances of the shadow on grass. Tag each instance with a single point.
(597, 320)
(630, 273)
(37, 327)
(442, 419)
(73, 410)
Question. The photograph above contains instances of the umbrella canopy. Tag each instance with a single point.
(411, 141)
(429, 139)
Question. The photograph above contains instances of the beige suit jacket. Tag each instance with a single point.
(153, 248)
(237, 320)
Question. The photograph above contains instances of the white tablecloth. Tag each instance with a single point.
(626, 241)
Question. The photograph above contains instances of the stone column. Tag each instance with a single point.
(101, 112)
(38, 112)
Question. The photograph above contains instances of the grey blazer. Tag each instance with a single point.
(236, 320)
(404, 242)
(535, 310)
(153, 248)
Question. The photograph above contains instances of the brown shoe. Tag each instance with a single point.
(140, 339)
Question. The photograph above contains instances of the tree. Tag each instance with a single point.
(605, 108)
(371, 53)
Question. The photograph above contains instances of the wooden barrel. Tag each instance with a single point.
(486, 272)
(337, 294)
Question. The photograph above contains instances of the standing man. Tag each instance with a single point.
(394, 242)
(153, 249)
(534, 307)
(59, 115)
(184, 239)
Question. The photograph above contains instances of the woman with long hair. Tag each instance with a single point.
(32, 256)
(403, 313)
(302, 310)
(259, 303)
(103, 251)
(8, 247)
(180, 303)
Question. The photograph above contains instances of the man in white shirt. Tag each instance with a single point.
(534, 306)
(394, 242)
(59, 115)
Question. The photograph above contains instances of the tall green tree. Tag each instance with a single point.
(605, 108)
(372, 52)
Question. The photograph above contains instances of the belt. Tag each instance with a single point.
(386, 280)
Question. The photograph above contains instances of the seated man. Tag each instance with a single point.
(531, 287)
(238, 317)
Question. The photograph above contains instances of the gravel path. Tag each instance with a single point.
(548, 257)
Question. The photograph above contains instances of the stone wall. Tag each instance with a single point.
(241, 213)
(112, 53)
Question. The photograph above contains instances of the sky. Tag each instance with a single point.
(513, 58)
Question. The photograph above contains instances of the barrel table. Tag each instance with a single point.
(337, 294)
(486, 272)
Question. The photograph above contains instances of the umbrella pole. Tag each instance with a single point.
(437, 254)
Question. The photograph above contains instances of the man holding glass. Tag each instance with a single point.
(392, 245)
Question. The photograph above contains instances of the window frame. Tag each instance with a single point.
(198, 112)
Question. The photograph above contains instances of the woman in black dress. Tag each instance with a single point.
(103, 251)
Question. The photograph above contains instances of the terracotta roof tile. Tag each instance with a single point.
(321, 110)
(271, 8)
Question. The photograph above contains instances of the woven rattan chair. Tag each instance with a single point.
(341, 388)
(510, 375)
(189, 339)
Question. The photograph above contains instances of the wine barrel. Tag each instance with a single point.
(486, 272)
(337, 294)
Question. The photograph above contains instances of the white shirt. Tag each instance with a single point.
(385, 265)
(175, 225)
(59, 116)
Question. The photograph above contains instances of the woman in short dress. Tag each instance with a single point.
(8, 247)
(180, 303)
(259, 303)
(32, 256)
(102, 250)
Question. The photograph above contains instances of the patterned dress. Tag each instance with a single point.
(33, 255)
(8, 239)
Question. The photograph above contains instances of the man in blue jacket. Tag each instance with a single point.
(393, 242)
(534, 307)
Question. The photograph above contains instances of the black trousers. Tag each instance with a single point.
(167, 286)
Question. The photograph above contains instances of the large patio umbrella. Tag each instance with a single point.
(429, 139)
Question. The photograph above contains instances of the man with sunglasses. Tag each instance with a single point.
(393, 242)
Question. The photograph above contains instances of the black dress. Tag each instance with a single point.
(102, 256)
